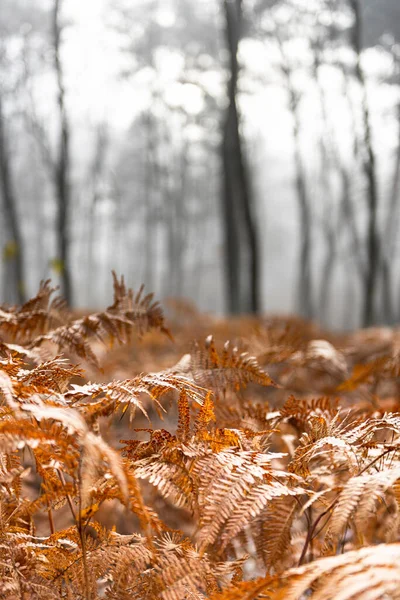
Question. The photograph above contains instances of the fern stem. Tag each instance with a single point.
(311, 530)
(68, 497)
(82, 536)
(50, 515)
(391, 449)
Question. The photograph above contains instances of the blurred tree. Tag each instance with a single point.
(241, 236)
(391, 223)
(305, 281)
(174, 138)
(56, 155)
(338, 214)
(274, 27)
(369, 167)
(13, 248)
(94, 192)
(61, 165)
(13, 245)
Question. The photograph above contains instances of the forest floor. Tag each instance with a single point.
(198, 458)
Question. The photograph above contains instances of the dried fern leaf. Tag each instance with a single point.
(358, 500)
(109, 397)
(35, 317)
(24, 432)
(128, 312)
(370, 573)
(234, 488)
(272, 530)
(298, 411)
(229, 369)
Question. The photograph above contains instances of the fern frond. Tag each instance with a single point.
(53, 375)
(382, 367)
(358, 500)
(205, 415)
(35, 317)
(234, 488)
(109, 397)
(128, 312)
(23, 431)
(298, 411)
(272, 531)
(370, 573)
(169, 471)
(328, 439)
(229, 369)
(321, 355)
(20, 570)
(6, 389)
(177, 571)
(126, 557)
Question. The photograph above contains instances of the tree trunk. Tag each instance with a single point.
(305, 288)
(149, 201)
(13, 250)
(391, 227)
(305, 282)
(62, 165)
(241, 240)
(93, 193)
(372, 240)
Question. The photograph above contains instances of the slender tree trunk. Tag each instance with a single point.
(148, 198)
(327, 151)
(348, 217)
(181, 220)
(13, 251)
(305, 288)
(391, 228)
(305, 282)
(369, 166)
(62, 164)
(94, 195)
(241, 240)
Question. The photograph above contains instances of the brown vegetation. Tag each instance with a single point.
(263, 467)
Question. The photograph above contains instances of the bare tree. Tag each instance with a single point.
(369, 167)
(58, 161)
(305, 281)
(13, 250)
(149, 158)
(390, 235)
(94, 191)
(335, 223)
(62, 162)
(326, 168)
(241, 239)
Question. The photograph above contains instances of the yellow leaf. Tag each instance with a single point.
(87, 513)
(57, 265)
(10, 250)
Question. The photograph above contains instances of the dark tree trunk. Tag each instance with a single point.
(372, 240)
(241, 240)
(392, 221)
(13, 251)
(62, 165)
(94, 196)
(305, 288)
(149, 158)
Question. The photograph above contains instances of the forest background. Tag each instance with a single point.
(242, 154)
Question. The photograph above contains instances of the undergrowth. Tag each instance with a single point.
(275, 472)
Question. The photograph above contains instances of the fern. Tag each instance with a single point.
(368, 573)
(127, 313)
(231, 488)
(229, 369)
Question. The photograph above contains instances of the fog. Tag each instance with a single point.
(242, 154)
